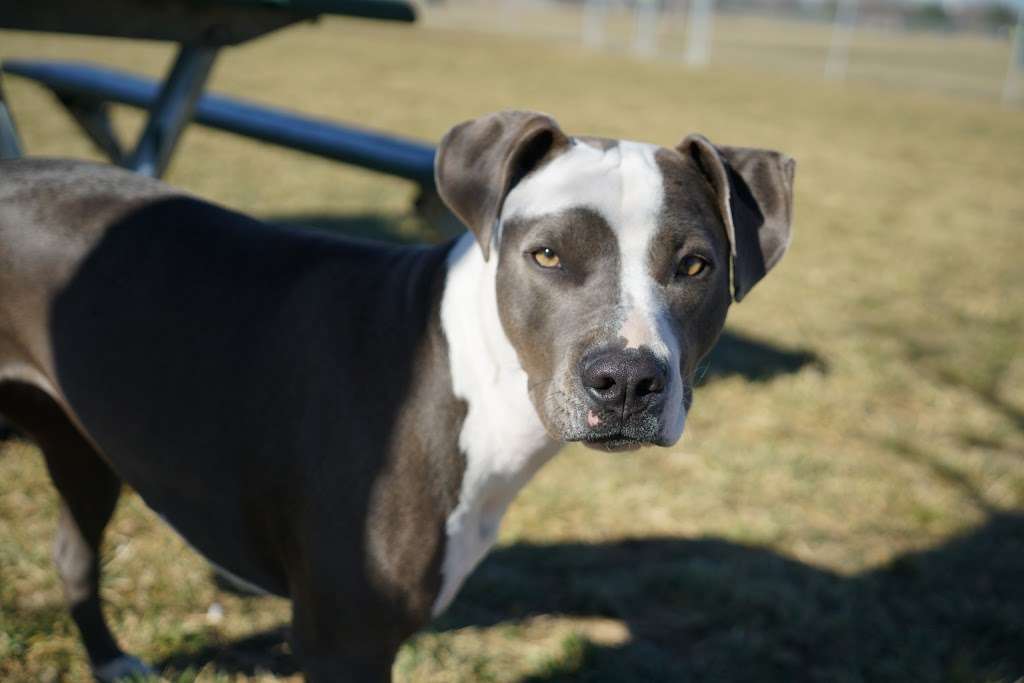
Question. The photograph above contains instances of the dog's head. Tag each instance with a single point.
(616, 262)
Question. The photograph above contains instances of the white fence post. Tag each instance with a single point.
(645, 27)
(1015, 70)
(698, 33)
(595, 21)
(842, 33)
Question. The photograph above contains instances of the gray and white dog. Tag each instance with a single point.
(345, 423)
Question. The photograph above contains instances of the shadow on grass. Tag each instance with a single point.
(988, 394)
(981, 367)
(267, 652)
(714, 610)
(6, 430)
(755, 360)
(709, 609)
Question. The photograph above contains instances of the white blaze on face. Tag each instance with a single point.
(624, 184)
(640, 204)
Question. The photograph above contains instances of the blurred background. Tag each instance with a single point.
(847, 503)
(960, 47)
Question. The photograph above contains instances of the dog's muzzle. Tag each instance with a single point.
(625, 394)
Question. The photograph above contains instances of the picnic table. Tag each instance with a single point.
(202, 28)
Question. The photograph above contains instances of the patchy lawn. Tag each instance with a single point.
(848, 501)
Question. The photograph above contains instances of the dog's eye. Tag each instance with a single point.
(691, 266)
(546, 258)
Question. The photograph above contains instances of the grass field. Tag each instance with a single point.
(848, 501)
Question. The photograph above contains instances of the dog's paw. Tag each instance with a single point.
(122, 669)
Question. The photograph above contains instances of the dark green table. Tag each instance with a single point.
(201, 27)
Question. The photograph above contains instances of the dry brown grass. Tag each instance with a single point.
(858, 517)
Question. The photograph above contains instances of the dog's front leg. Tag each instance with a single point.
(345, 668)
(343, 643)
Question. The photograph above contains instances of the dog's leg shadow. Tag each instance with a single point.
(266, 652)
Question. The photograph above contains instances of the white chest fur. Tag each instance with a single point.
(502, 437)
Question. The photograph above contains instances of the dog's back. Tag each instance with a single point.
(155, 323)
(40, 247)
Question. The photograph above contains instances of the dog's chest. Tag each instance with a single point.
(504, 446)
(502, 438)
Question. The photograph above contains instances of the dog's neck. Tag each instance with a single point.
(502, 438)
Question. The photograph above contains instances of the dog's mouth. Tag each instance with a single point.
(613, 442)
(637, 431)
(623, 433)
(576, 421)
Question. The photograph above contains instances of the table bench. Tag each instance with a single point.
(86, 90)
(202, 28)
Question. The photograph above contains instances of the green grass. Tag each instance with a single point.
(848, 501)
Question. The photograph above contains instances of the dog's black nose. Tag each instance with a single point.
(623, 381)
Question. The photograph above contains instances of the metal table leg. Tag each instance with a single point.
(172, 110)
(10, 148)
(93, 116)
(10, 144)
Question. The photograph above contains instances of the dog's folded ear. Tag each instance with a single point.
(755, 196)
(479, 161)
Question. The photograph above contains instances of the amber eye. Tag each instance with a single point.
(692, 266)
(546, 258)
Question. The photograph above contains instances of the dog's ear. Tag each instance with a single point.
(755, 196)
(480, 161)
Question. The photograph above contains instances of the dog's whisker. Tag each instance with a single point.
(702, 371)
(540, 382)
